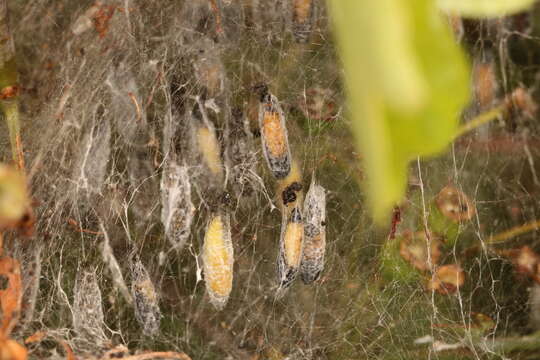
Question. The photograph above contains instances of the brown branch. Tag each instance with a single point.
(215, 10)
(74, 223)
(158, 355)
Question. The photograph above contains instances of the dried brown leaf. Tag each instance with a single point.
(36, 337)
(414, 249)
(454, 204)
(12, 350)
(10, 293)
(69, 352)
(525, 260)
(447, 279)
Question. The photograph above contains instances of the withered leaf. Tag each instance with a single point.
(447, 279)
(414, 249)
(454, 204)
(12, 350)
(10, 293)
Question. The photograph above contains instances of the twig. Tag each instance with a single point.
(74, 223)
(158, 355)
(70, 355)
(513, 232)
(481, 119)
(137, 107)
(215, 9)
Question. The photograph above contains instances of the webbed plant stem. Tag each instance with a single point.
(9, 87)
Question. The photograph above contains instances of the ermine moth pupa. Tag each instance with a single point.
(207, 142)
(314, 233)
(145, 298)
(303, 11)
(274, 135)
(87, 307)
(177, 208)
(290, 247)
(218, 259)
(289, 189)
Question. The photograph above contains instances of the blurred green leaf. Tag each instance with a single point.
(407, 81)
(483, 8)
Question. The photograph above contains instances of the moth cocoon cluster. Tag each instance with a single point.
(314, 233)
(290, 247)
(145, 298)
(303, 15)
(177, 208)
(275, 141)
(218, 258)
(207, 142)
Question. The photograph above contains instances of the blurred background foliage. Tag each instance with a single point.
(106, 93)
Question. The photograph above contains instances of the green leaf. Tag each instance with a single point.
(483, 8)
(407, 81)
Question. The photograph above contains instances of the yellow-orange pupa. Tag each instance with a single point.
(274, 136)
(218, 259)
(290, 247)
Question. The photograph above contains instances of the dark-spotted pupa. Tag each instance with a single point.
(289, 189)
(274, 135)
(145, 298)
(218, 259)
(314, 233)
(303, 13)
(290, 247)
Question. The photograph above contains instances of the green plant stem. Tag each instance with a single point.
(511, 344)
(11, 113)
(481, 119)
(9, 102)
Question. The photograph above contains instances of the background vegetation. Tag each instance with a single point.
(104, 95)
